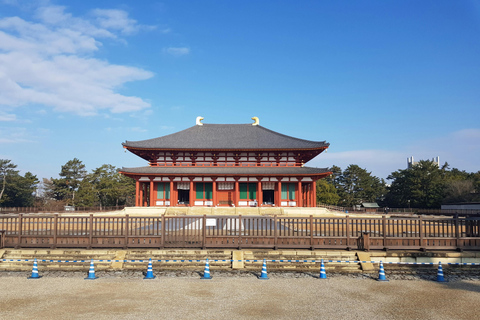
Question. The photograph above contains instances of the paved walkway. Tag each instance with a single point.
(236, 298)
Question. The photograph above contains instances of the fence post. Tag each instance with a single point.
(90, 231)
(204, 228)
(366, 241)
(347, 229)
(55, 231)
(275, 233)
(2, 239)
(422, 245)
(240, 232)
(127, 228)
(457, 233)
(384, 227)
(20, 227)
(311, 232)
(162, 242)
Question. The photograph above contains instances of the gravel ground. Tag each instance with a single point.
(419, 274)
(237, 295)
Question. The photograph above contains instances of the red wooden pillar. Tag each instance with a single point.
(191, 200)
(278, 196)
(214, 192)
(172, 194)
(236, 196)
(152, 202)
(145, 194)
(137, 193)
(307, 194)
(314, 193)
(299, 193)
(259, 192)
(140, 195)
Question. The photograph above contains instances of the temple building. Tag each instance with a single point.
(239, 165)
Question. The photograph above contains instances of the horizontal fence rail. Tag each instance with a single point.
(9, 210)
(54, 231)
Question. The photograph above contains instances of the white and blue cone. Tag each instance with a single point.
(34, 270)
(149, 274)
(206, 272)
(91, 272)
(263, 275)
(440, 277)
(323, 274)
(381, 273)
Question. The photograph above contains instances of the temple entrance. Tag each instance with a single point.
(225, 198)
(268, 196)
(183, 196)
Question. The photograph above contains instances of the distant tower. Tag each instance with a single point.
(411, 163)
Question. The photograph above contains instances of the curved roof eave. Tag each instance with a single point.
(226, 137)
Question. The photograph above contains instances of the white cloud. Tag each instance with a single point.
(14, 135)
(7, 116)
(116, 20)
(50, 63)
(177, 51)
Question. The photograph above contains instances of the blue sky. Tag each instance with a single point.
(380, 80)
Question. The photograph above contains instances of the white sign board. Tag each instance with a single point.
(211, 223)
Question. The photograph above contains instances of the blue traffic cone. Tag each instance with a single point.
(381, 273)
(206, 272)
(34, 270)
(440, 277)
(323, 274)
(149, 274)
(91, 272)
(264, 276)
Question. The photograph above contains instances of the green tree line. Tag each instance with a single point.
(103, 187)
(424, 185)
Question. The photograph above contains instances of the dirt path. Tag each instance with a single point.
(236, 298)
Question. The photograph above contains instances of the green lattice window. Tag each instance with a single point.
(163, 190)
(204, 190)
(288, 191)
(248, 191)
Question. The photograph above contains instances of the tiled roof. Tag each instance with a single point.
(260, 171)
(226, 136)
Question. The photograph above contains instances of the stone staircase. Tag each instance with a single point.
(293, 255)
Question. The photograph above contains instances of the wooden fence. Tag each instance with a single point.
(16, 210)
(53, 231)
